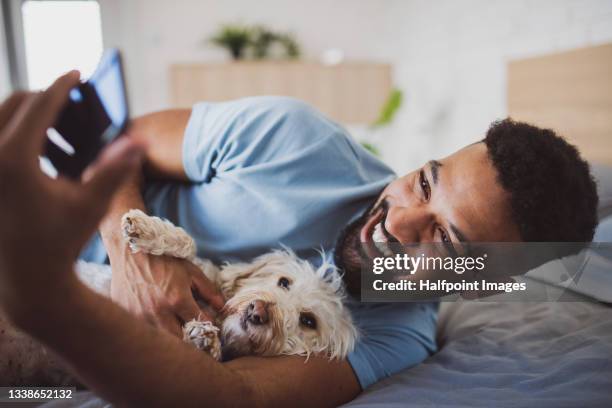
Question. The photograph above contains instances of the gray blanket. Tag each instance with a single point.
(510, 355)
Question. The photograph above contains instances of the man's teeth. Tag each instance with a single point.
(378, 235)
(380, 240)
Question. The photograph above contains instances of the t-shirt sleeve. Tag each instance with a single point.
(224, 136)
(266, 171)
(393, 337)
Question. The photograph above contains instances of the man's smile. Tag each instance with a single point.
(372, 229)
(374, 236)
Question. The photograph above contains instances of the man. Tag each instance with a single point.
(256, 173)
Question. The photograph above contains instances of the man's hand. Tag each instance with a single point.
(45, 222)
(158, 288)
(161, 289)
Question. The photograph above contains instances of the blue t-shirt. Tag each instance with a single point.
(271, 171)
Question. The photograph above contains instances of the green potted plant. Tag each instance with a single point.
(260, 41)
(292, 49)
(235, 38)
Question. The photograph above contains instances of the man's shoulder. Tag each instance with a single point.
(274, 129)
(270, 114)
(372, 316)
(272, 104)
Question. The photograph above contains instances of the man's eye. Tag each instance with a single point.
(447, 243)
(284, 283)
(308, 320)
(444, 236)
(424, 185)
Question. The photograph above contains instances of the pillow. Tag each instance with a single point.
(603, 177)
(603, 233)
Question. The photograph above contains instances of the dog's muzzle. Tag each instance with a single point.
(257, 313)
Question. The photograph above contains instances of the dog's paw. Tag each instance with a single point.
(204, 336)
(156, 236)
(137, 231)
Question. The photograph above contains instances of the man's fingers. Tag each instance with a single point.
(190, 310)
(10, 106)
(208, 291)
(103, 177)
(171, 324)
(37, 114)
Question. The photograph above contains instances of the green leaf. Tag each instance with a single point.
(390, 108)
(371, 148)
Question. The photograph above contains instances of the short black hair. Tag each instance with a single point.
(553, 196)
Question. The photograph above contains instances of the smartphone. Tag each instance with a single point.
(96, 114)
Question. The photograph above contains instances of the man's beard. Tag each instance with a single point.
(349, 255)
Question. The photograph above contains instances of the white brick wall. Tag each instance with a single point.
(450, 55)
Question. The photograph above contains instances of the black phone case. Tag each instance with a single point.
(85, 123)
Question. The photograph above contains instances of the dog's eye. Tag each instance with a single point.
(284, 283)
(308, 320)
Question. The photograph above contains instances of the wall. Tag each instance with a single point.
(449, 56)
(156, 33)
(453, 64)
(5, 84)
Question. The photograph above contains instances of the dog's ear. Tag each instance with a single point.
(329, 274)
(344, 333)
(232, 275)
(337, 339)
(343, 338)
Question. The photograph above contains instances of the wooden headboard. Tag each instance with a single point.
(570, 92)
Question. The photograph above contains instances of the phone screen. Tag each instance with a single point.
(96, 114)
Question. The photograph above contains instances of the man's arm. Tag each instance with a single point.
(154, 287)
(150, 367)
(290, 381)
(163, 133)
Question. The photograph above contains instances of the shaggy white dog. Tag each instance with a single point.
(277, 304)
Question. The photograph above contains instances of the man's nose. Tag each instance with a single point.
(257, 312)
(407, 224)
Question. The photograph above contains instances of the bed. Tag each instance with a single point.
(510, 355)
(500, 355)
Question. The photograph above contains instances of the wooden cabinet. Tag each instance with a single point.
(351, 93)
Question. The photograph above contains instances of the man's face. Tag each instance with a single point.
(455, 199)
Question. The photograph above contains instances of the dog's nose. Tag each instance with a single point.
(257, 312)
